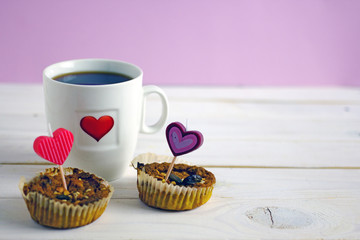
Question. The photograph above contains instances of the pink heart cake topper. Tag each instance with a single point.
(181, 141)
(54, 149)
(97, 128)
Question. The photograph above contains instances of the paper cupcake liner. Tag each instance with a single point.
(168, 196)
(51, 213)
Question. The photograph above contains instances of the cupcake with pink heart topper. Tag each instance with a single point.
(170, 183)
(63, 198)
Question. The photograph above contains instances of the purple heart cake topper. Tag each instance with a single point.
(181, 141)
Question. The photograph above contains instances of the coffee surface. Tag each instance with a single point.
(92, 78)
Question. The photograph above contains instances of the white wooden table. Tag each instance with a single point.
(287, 163)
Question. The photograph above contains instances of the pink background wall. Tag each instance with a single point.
(223, 42)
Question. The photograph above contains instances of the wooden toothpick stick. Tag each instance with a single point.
(60, 166)
(63, 176)
(170, 169)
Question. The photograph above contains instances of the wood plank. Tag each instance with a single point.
(330, 95)
(316, 122)
(255, 140)
(21, 99)
(267, 153)
(242, 93)
(322, 132)
(304, 204)
(258, 127)
(130, 219)
(286, 147)
(232, 153)
(30, 96)
(247, 183)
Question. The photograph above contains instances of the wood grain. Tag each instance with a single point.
(286, 162)
(253, 127)
(302, 203)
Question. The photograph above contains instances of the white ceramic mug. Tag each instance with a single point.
(105, 119)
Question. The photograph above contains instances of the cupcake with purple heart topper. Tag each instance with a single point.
(170, 183)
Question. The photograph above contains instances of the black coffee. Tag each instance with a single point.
(92, 78)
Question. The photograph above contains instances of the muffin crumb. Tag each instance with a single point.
(182, 171)
(83, 187)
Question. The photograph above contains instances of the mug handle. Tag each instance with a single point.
(147, 90)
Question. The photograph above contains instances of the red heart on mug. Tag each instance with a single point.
(97, 128)
(54, 149)
(181, 141)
